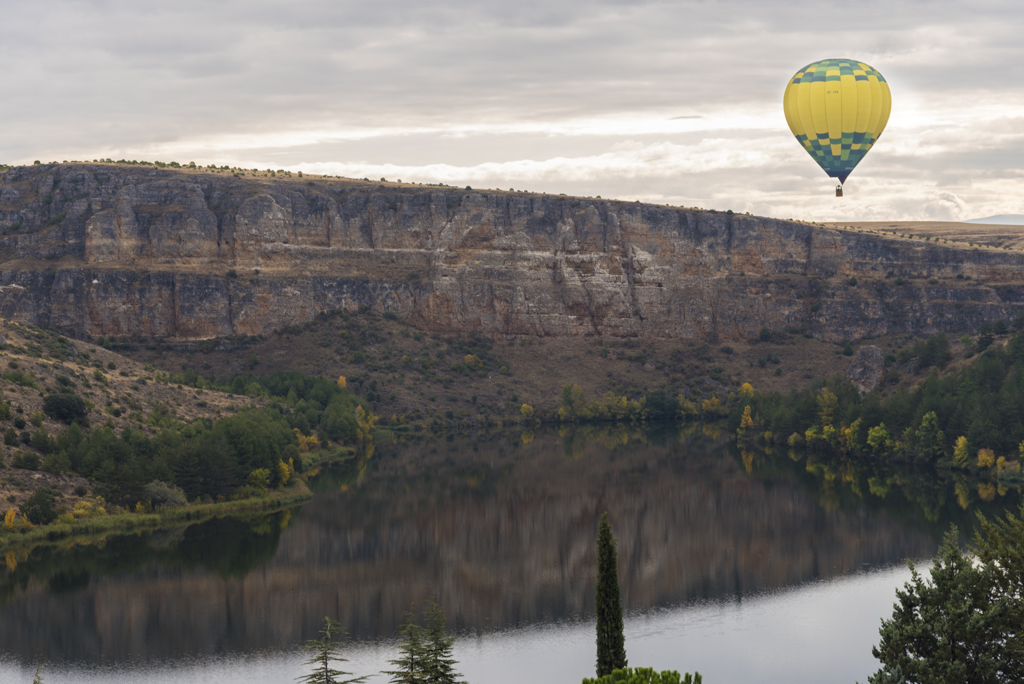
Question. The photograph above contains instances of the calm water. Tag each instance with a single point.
(754, 568)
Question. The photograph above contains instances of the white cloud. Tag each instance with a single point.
(672, 102)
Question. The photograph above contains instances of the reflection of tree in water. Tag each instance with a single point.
(231, 547)
(919, 497)
(501, 527)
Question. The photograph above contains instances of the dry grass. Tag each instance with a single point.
(995, 236)
(128, 389)
(537, 367)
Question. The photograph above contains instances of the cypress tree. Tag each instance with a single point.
(611, 646)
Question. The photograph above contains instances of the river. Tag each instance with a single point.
(746, 567)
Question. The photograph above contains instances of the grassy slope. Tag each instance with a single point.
(987, 236)
(538, 368)
(128, 389)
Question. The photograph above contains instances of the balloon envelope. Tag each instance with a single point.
(837, 108)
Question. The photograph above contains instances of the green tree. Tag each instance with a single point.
(961, 452)
(439, 665)
(411, 665)
(1000, 545)
(931, 441)
(878, 438)
(611, 647)
(949, 629)
(39, 509)
(645, 675)
(324, 651)
(827, 403)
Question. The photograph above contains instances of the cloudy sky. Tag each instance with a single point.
(668, 102)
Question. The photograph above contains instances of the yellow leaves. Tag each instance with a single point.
(527, 411)
(342, 382)
(11, 560)
(9, 520)
(306, 444)
(712, 406)
(747, 421)
(687, 409)
(365, 422)
(986, 459)
(284, 472)
(827, 404)
(746, 391)
(526, 437)
(987, 491)
(259, 479)
(472, 361)
(139, 508)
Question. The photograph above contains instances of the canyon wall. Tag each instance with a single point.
(104, 249)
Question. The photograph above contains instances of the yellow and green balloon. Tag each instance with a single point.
(837, 108)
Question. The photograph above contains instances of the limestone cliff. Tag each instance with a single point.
(100, 249)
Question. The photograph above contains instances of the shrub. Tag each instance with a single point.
(848, 349)
(852, 282)
(765, 335)
(645, 675)
(39, 509)
(162, 495)
(65, 407)
(900, 281)
(25, 460)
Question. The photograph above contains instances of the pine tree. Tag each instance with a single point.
(611, 647)
(325, 650)
(439, 664)
(410, 666)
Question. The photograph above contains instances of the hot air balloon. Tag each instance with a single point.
(837, 108)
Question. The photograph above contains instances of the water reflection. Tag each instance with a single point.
(501, 526)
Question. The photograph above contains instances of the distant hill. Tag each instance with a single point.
(1001, 220)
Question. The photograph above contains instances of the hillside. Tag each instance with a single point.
(119, 392)
(187, 254)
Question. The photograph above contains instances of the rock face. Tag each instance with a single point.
(96, 249)
(867, 369)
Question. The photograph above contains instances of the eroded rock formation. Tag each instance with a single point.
(94, 249)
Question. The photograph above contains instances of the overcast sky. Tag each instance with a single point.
(668, 102)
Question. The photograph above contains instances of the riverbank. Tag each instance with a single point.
(65, 531)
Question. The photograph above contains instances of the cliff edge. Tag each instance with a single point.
(112, 249)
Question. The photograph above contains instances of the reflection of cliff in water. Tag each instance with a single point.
(503, 529)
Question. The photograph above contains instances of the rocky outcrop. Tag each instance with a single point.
(95, 249)
(867, 369)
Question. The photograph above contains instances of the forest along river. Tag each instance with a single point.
(746, 567)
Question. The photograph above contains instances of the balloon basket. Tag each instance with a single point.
(839, 191)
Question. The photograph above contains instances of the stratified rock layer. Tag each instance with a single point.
(93, 249)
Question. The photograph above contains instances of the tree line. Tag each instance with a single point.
(970, 418)
(166, 460)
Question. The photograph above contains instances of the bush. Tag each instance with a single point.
(765, 335)
(25, 460)
(162, 495)
(67, 408)
(39, 509)
(645, 675)
(19, 423)
(848, 349)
